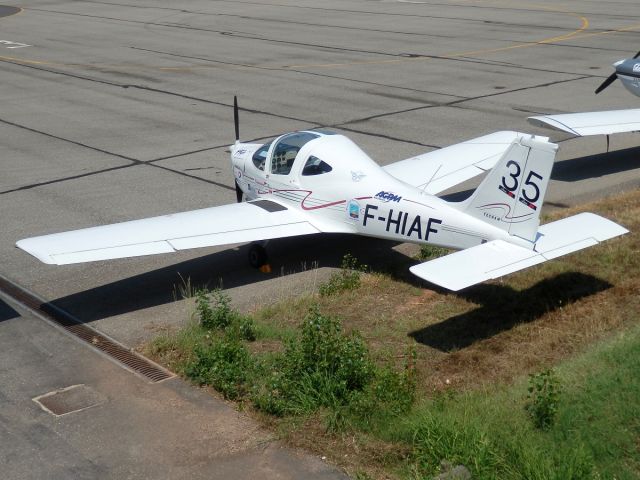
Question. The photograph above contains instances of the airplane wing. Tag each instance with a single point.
(441, 169)
(235, 223)
(591, 123)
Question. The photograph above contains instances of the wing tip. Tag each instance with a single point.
(27, 245)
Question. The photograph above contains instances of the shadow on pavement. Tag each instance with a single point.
(598, 165)
(6, 312)
(230, 269)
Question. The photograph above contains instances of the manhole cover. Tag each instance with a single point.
(70, 399)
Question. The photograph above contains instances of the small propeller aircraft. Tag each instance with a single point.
(628, 71)
(314, 181)
(605, 122)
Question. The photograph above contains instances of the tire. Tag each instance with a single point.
(257, 255)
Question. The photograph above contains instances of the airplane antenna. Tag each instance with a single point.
(236, 120)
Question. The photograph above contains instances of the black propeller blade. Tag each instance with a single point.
(610, 79)
(236, 120)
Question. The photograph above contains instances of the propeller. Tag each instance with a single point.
(236, 120)
(236, 123)
(611, 78)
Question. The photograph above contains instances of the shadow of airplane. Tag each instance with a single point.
(503, 308)
(598, 165)
(231, 269)
(6, 312)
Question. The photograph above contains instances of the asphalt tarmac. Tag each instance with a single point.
(119, 425)
(113, 111)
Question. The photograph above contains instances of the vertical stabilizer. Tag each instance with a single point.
(511, 196)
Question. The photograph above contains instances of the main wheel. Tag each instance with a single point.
(257, 255)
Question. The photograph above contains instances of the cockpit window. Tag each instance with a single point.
(286, 151)
(260, 157)
(315, 166)
(324, 131)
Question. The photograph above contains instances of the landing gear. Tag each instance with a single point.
(257, 255)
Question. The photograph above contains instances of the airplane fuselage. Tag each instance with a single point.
(360, 197)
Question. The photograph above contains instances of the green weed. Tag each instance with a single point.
(543, 398)
(225, 364)
(214, 311)
(429, 252)
(320, 368)
(348, 278)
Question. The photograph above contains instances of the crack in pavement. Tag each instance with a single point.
(133, 162)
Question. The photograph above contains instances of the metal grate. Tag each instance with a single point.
(68, 322)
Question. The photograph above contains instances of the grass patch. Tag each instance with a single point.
(430, 252)
(348, 278)
(595, 435)
(340, 363)
(319, 367)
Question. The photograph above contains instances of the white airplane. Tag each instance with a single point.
(604, 122)
(311, 182)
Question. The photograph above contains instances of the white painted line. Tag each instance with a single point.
(10, 44)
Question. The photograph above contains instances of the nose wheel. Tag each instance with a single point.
(257, 255)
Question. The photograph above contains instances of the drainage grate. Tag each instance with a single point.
(70, 400)
(112, 348)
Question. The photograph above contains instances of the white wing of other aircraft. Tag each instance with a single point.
(601, 123)
(591, 123)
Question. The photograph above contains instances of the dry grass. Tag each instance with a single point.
(497, 331)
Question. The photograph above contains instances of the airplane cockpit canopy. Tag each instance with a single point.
(260, 157)
(315, 166)
(311, 154)
(286, 150)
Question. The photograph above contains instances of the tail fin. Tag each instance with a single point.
(511, 196)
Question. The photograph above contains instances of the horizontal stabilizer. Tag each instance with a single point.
(498, 257)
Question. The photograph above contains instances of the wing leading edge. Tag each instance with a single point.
(235, 223)
(591, 123)
(436, 171)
